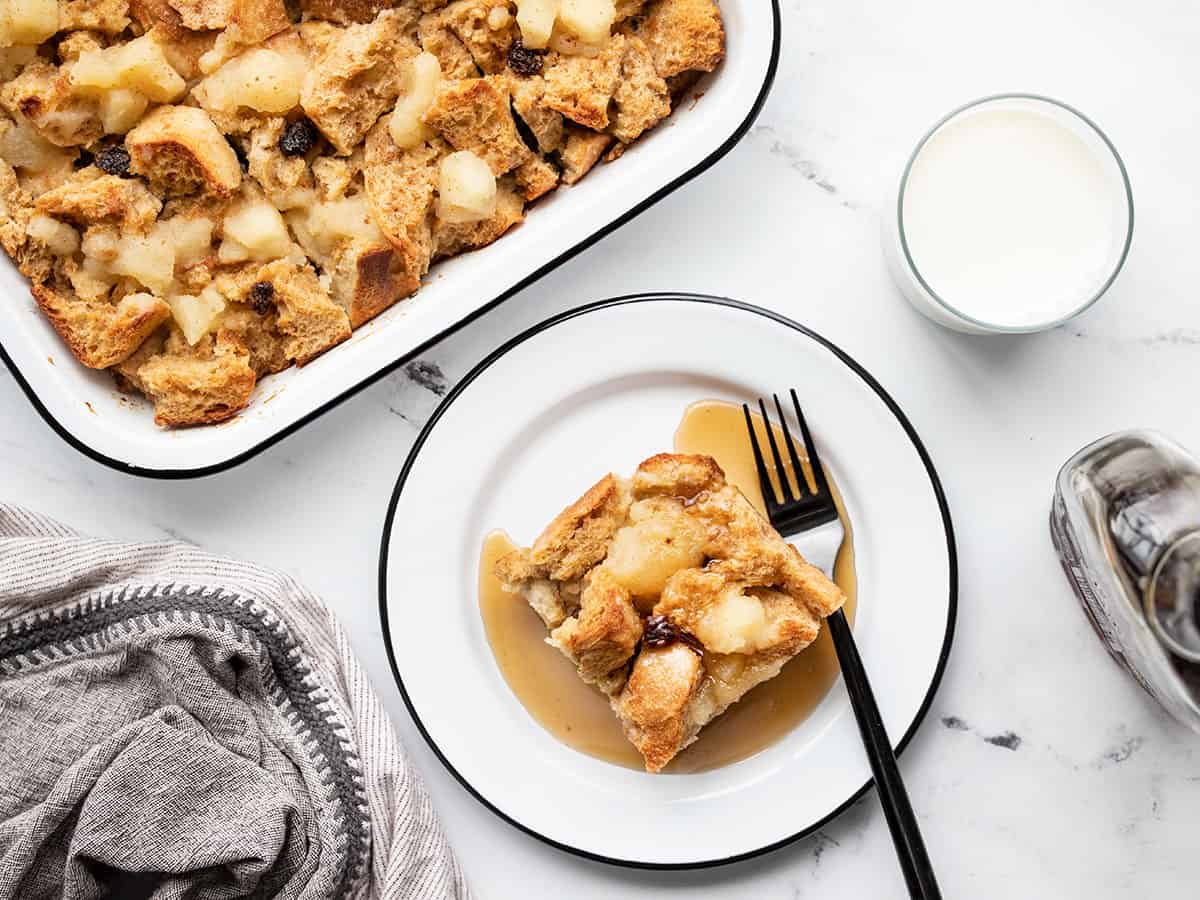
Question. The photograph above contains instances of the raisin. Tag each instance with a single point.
(298, 138)
(114, 161)
(84, 159)
(524, 61)
(261, 297)
(662, 632)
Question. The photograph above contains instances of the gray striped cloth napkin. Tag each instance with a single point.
(175, 725)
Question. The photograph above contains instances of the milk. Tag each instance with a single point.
(1015, 216)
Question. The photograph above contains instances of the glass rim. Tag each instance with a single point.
(950, 308)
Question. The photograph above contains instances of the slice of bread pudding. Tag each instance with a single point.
(672, 595)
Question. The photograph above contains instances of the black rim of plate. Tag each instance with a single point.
(856, 368)
(272, 439)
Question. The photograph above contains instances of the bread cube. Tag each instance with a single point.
(91, 198)
(198, 385)
(684, 35)
(106, 16)
(356, 78)
(475, 114)
(101, 334)
(309, 320)
(180, 151)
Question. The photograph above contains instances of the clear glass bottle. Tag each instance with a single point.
(1126, 524)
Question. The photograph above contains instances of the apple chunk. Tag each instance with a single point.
(466, 188)
(536, 19)
(406, 127)
(139, 65)
(27, 22)
(196, 316)
(590, 20)
(260, 79)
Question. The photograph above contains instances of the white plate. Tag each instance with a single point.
(85, 409)
(596, 390)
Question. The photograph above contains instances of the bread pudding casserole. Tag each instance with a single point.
(672, 595)
(204, 192)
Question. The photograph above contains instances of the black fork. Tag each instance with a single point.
(812, 509)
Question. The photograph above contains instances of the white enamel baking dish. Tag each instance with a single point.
(84, 407)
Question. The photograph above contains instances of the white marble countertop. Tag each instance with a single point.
(1042, 771)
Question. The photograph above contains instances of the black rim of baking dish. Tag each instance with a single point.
(854, 366)
(740, 132)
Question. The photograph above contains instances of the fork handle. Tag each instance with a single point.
(906, 834)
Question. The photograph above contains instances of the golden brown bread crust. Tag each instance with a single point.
(101, 334)
(179, 151)
(157, 13)
(107, 16)
(75, 44)
(684, 35)
(401, 187)
(581, 87)
(582, 151)
(259, 333)
(677, 475)
(536, 178)
(487, 46)
(199, 385)
(356, 78)
(367, 279)
(653, 704)
(345, 12)
(579, 536)
(247, 23)
(182, 47)
(606, 631)
(309, 320)
(682, 545)
(125, 373)
(42, 94)
(204, 15)
(641, 97)
(475, 114)
(546, 124)
(437, 37)
(16, 209)
(92, 198)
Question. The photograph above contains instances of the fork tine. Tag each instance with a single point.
(764, 480)
(814, 460)
(802, 487)
(784, 487)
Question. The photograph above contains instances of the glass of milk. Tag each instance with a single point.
(1013, 214)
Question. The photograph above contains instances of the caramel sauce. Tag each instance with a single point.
(579, 716)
